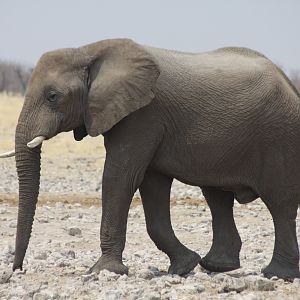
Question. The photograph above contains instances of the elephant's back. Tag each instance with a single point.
(247, 52)
(224, 71)
(228, 60)
(233, 74)
(228, 74)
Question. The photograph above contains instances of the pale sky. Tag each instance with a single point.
(28, 28)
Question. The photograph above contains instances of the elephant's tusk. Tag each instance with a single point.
(8, 154)
(36, 141)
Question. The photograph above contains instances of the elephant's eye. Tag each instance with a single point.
(52, 96)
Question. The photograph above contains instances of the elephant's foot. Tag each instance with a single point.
(184, 263)
(110, 264)
(282, 270)
(221, 262)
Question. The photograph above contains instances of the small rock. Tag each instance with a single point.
(264, 284)
(65, 217)
(232, 284)
(42, 255)
(89, 277)
(45, 295)
(33, 290)
(18, 292)
(241, 273)
(154, 296)
(5, 276)
(202, 208)
(17, 276)
(63, 264)
(112, 295)
(192, 288)
(173, 280)
(260, 261)
(260, 284)
(85, 263)
(164, 292)
(12, 224)
(249, 296)
(109, 275)
(173, 295)
(74, 231)
(296, 282)
(2, 211)
(68, 254)
(219, 277)
(43, 220)
(123, 277)
(202, 276)
(9, 250)
(274, 278)
(59, 205)
(153, 270)
(145, 274)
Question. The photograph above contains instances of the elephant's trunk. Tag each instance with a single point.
(28, 168)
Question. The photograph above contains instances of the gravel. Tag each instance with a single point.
(56, 261)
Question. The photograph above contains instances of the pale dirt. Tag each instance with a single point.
(56, 261)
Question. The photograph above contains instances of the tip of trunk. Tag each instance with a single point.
(17, 266)
(18, 259)
(19, 256)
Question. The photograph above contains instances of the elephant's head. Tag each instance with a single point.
(87, 90)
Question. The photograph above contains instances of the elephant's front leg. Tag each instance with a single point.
(118, 187)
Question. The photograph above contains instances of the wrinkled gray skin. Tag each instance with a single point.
(227, 121)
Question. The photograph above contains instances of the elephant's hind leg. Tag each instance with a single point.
(224, 253)
(155, 192)
(285, 260)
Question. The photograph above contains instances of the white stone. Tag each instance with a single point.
(153, 296)
(3, 210)
(232, 284)
(12, 224)
(296, 283)
(89, 277)
(259, 283)
(41, 255)
(192, 288)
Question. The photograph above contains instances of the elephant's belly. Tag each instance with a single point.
(198, 172)
(191, 166)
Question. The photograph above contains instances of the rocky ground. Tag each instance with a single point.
(65, 243)
(65, 237)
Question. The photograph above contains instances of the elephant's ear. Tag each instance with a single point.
(122, 79)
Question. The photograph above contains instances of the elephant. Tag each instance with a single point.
(227, 121)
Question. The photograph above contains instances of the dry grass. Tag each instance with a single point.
(62, 145)
(10, 107)
(88, 200)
